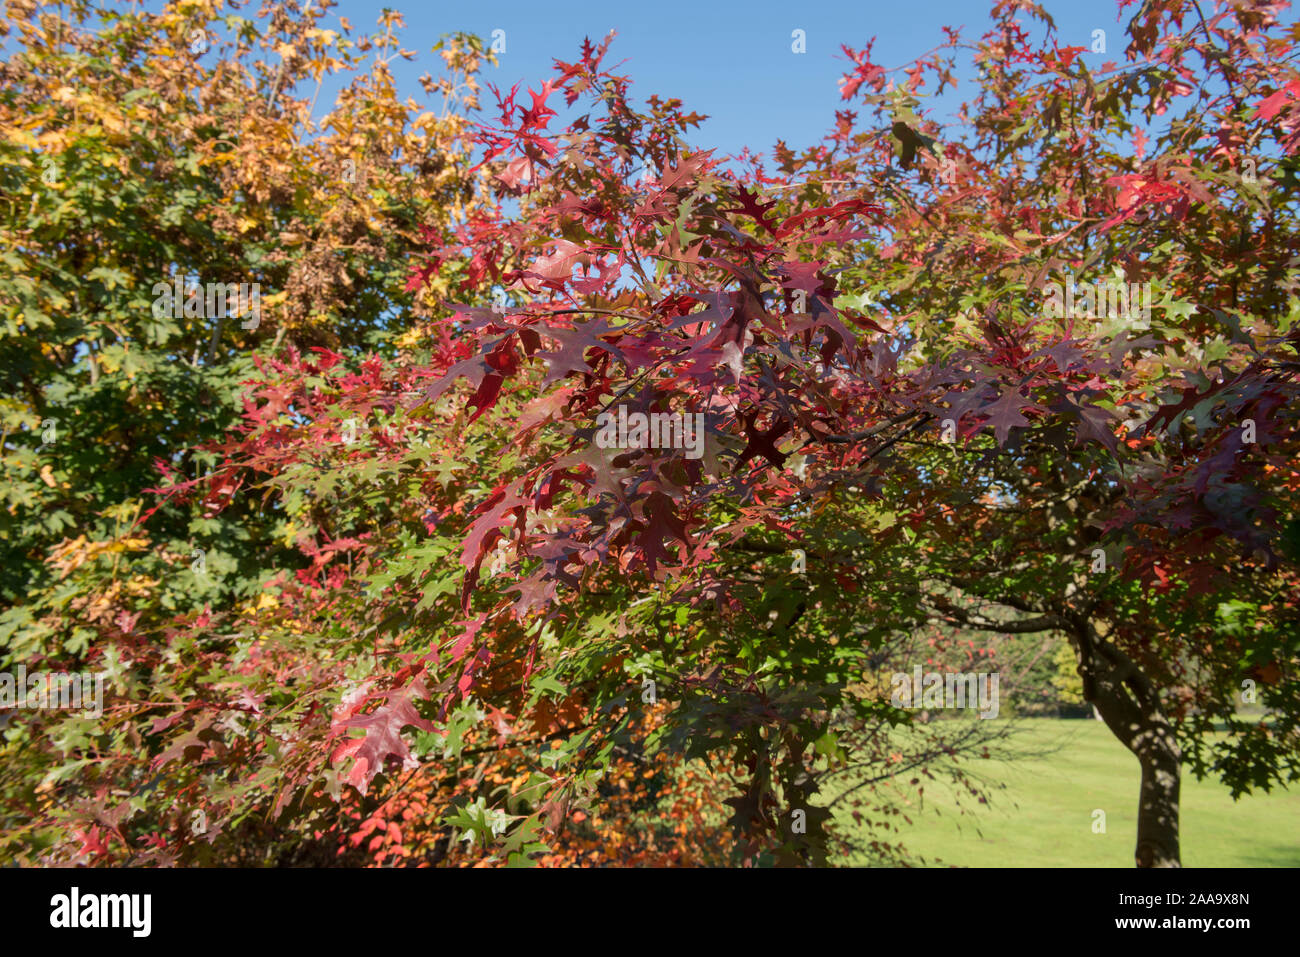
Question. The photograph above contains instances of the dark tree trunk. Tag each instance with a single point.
(1128, 703)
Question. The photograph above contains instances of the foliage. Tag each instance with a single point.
(497, 622)
(140, 147)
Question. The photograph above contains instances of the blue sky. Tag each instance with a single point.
(728, 59)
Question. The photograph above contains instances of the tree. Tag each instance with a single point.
(143, 150)
(1192, 507)
(970, 342)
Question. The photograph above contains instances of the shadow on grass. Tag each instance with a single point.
(1273, 857)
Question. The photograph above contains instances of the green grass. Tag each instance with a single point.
(1043, 814)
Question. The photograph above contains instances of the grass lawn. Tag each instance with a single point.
(1043, 816)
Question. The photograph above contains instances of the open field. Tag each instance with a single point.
(1043, 816)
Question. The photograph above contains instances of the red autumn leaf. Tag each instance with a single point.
(382, 740)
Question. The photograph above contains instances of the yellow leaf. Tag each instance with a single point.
(53, 141)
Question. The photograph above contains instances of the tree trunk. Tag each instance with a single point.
(1128, 703)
